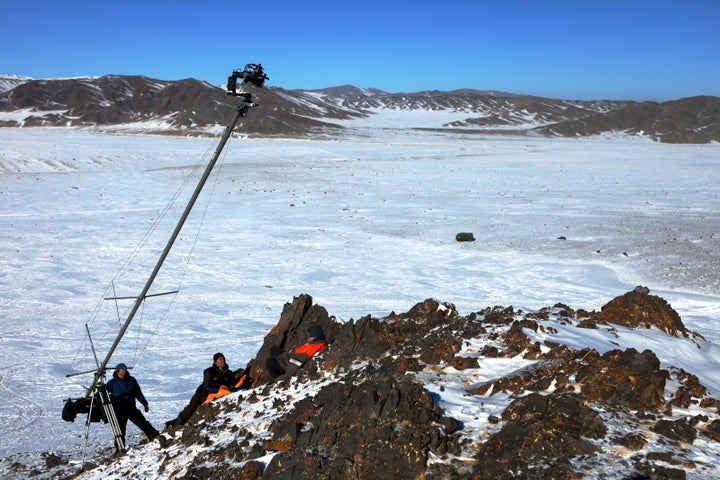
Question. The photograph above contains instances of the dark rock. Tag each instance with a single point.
(407, 364)
(463, 363)
(517, 342)
(540, 429)
(499, 315)
(683, 398)
(713, 430)
(430, 312)
(625, 378)
(632, 441)
(52, 460)
(450, 424)
(677, 430)
(566, 409)
(588, 323)
(360, 426)
(564, 310)
(465, 237)
(639, 309)
(490, 351)
(662, 456)
(690, 385)
(251, 471)
(695, 420)
(541, 375)
(657, 472)
(710, 403)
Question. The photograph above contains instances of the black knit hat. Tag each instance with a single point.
(218, 355)
(316, 332)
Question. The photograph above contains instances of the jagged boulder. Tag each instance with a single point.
(423, 332)
(625, 378)
(539, 429)
(290, 331)
(638, 308)
(465, 237)
(537, 377)
(378, 428)
(364, 407)
(518, 343)
(676, 429)
(713, 430)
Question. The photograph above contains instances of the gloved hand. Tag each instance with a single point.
(147, 408)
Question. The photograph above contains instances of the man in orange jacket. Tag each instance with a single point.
(287, 363)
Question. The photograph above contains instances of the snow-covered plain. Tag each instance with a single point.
(365, 223)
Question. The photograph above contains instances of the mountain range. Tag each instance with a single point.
(138, 104)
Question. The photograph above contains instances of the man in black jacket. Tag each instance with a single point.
(214, 377)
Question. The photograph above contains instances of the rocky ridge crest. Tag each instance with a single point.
(378, 402)
(142, 105)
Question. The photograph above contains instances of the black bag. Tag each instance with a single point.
(82, 405)
(69, 411)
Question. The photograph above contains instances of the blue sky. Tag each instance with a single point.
(581, 49)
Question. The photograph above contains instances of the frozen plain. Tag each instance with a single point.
(365, 224)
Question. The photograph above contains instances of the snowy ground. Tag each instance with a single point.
(365, 224)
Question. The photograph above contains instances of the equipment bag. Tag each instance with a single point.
(82, 405)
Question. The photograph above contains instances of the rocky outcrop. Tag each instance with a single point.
(372, 405)
(379, 428)
(540, 429)
(640, 309)
(626, 378)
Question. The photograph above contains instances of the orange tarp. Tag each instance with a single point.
(223, 392)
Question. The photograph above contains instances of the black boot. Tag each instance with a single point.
(161, 440)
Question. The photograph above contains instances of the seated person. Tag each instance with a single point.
(287, 363)
(215, 377)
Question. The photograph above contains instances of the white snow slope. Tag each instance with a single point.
(365, 224)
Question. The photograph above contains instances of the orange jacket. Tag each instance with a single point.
(310, 349)
(222, 391)
(297, 358)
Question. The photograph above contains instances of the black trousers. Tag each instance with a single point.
(136, 417)
(195, 402)
(272, 365)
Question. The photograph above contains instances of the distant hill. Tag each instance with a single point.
(689, 120)
(138, 104)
